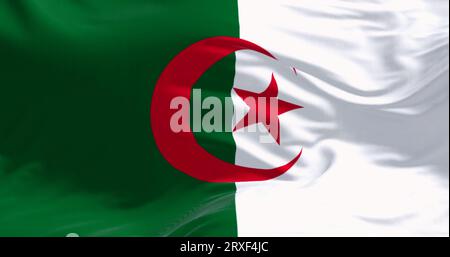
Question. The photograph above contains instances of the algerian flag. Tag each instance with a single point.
(358, 144)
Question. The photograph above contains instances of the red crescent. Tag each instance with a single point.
(181, 149)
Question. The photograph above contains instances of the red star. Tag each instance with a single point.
(263, 110)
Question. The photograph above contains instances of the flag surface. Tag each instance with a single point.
(366, 85)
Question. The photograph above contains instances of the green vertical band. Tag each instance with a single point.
(76, 150)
